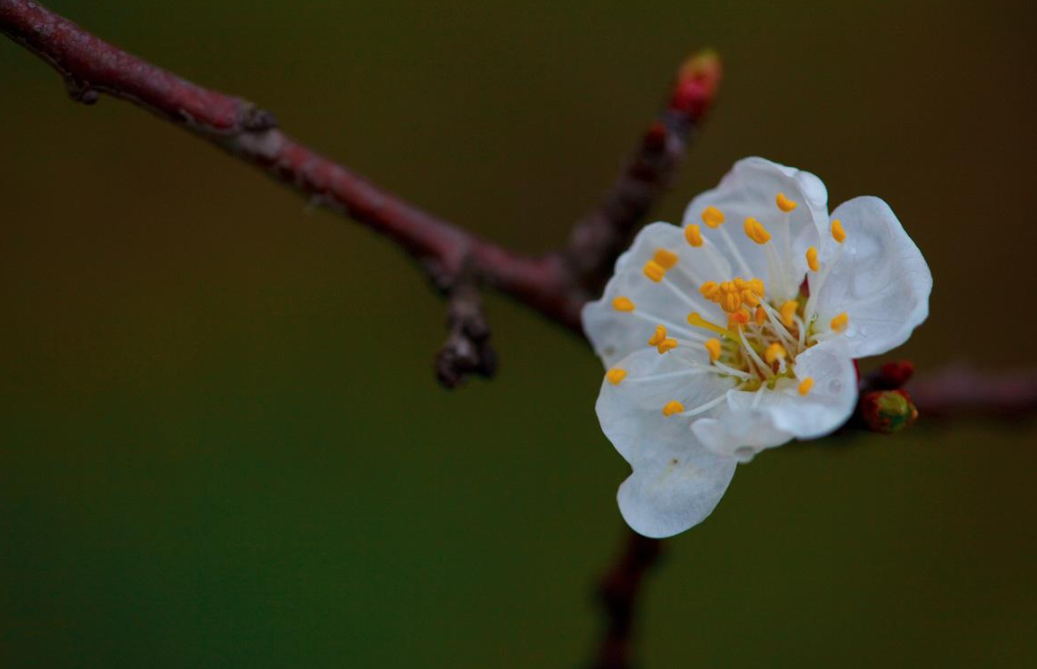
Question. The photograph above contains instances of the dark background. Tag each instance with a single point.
(221, 444)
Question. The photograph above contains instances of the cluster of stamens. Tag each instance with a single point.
(762, 339)
(736, 298)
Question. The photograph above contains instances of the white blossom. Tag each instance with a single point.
(737, 332)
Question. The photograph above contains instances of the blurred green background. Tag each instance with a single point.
(221, 444)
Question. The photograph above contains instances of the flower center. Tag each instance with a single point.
(762, 339)
(764, 333)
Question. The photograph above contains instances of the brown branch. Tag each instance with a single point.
(555, 284)
(891, 399)
(619, 592)
(961, 391)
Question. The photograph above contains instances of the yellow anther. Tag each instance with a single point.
(660, 334)
(712, 217)
(667, 259)
(760, 316)
(667, 345)
(728, 287)
(616, 375)
(757, 286)
(788, 310)
(805, 386)
(812, 259)
(694, 235)
(740, 284)
(750, 298)
(709, 290)
(785, 204)
(774, 353)
(840, 322)
(622, 304)
(672, 407)
(738, 319)
(700, 322)
(756, 232)
(838, 234)
(713, 346)
(730, 302)
(654, 271)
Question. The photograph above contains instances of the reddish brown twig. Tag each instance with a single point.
(891, 397)
(598, 239)
(961, 391)
(551, 284)
(619, 592)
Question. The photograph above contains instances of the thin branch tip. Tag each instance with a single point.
(599, 238)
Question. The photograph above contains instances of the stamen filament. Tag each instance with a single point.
(815, 286)
(732, 371)
(671, 327)
(735, 253)
(755, 357)
(802, 327)
(701, 322)
(694, 371)
(714, 256)
(778, 327)
(779, 277)
(681, 295)
(704, 407)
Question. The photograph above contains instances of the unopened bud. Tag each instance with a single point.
(888, 411)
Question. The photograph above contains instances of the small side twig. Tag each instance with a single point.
(960, 391)
(467, 349)
(891, 397)
(619, 592)
(598, 239)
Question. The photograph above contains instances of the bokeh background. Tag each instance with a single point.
(221, 444)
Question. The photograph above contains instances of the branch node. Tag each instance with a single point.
(467, 349)
(80, 91)
(256, 119)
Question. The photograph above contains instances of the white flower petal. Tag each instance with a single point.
(630, 412)
(832, 399)
(878, 278)
(616, 334)
(676, 482)
(749, 190)
(754, 421)
(739, 434)
(665, 497)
